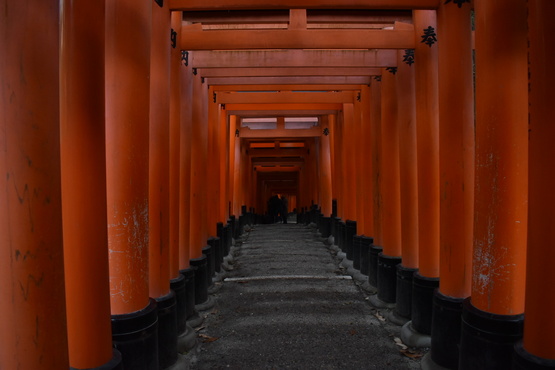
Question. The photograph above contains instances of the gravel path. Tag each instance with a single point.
(286, 304)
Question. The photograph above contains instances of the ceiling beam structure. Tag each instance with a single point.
(196, 5)
(288, 72)
(284, 97)
(307, 80)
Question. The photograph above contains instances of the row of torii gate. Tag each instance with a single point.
(168, 121)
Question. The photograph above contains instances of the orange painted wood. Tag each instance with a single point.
(406, 116)
(291, 80)
(225, 184)
(389, 168)
(33, 331)
(456, 150)
(180, 161)
(325, 170)
(282, 107)
(337, 169)
(281, 88)
(427, 131)
(213, 179)
(197, 39)
(293, 58)
(83, 159)
(288, 72)
(500, 214)
(284, 97)
(540, 306)
(297, 19)
(366, 163)
(377, 162)
(127, 141)
(304, 4)
(159, 150)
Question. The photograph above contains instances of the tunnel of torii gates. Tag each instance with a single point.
(139, 137)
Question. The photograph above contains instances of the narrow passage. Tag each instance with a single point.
(286, 304)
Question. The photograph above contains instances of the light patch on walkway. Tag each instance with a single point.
(288, 277)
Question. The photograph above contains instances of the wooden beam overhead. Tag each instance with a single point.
(319, 88)
(284, 97)
(246, 132)
(288, 72)
(194, 38)
(284, 107)
(283, 113)
(308, 80)
(190, 5)
(293, 58)
(277, 152)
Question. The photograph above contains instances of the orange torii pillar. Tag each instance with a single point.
(456, 149)
(198, 218)
(406, 116)
(33, 315)
(376, 153)
(182, 191)
(390, 256)
(348, 175)
(537, 349)
(366, 162)
(492, 318)
(134, 315)
(225, 184)
(212, 164)
(83, 154)
(159, 186)
(324, 160)
(426, 280)
(236, 168)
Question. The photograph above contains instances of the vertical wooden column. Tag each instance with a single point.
(390, 257)
(349, 162)
(500, 214)
(33, 313)
(212, 185)
(426, 280)
(456, 149)
(358, 158)
(366, 162)
(406, 116)
(537, 349)
(325, 169)
(225, 185)
(127, 142)
(83, 155)
(337, 183)
(237, 166)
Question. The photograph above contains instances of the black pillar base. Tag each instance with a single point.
(214, 243)
(114, 364)
(446, 330)
(201, 278)
(325, 228)
(403, 297)
(357, 240)
(177, 285)
(350, 232)
(208, 251)
(373, 265)
(135, 336)
(523, 360)
(189, 276)
(487, 339)
(341, 235)
(167, 330)
(365, 244)
(387, 277)
(423, 302)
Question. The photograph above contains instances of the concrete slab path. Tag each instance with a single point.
(287, 304)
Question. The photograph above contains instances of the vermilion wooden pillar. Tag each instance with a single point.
(237, 166)
(426, 280)
(456, 134)
(83, 154)
(325, 169)
(349, 162)
(33, 313)
(537, 350)
(376, 151)
(337, 185)
(366, 162)
(406, 116)
(390, 257)
(358, 157)
(225, 184)
(500, 214)
(127, 142)
(213, 179)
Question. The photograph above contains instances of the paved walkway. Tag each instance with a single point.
(286, 304)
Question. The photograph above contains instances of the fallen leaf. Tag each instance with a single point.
(400, 343)
(411, 354)
(379, 316)
(353, 332)
(207, 339)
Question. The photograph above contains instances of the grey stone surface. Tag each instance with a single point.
(287, 304)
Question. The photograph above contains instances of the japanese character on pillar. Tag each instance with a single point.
(408, 57)
(429, 37)
(392, 70)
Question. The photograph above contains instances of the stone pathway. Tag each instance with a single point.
(286, 304)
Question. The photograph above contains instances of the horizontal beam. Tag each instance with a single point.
(281, 113)
(302, 80)
(284, 97)
(287, 72)
(277, 152)
(194, 39)
(293, 58)
(247, 133)
(283, 107)
(189, 5)
(277, 169)
(269, 87)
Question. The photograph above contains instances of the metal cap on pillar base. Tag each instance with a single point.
(375, 251)
(423, 302)
(350, 232)
(523, 360)
(403, 297)
(135, 336)
(446, 333)
(487, 339)
(387, 282)
(167, 330)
